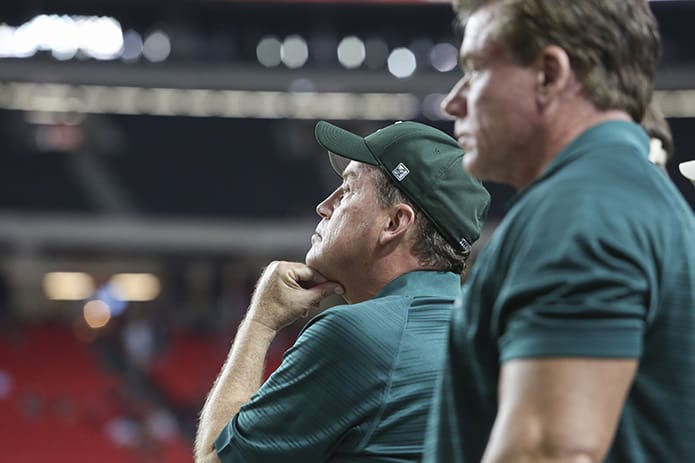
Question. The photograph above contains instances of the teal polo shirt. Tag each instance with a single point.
(357, 384)
(594, 259)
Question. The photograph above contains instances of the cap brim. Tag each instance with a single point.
(688, 170)
(343, 146)
(338, 163)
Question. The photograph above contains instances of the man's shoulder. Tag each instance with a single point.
(599, 185)
(388, 310)
(346, 339)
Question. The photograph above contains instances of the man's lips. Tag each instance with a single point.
(461, 135)
(464, 141)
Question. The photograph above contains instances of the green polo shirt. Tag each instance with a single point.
(594, 259)
(358, 383)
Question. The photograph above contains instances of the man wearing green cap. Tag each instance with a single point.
(356, 386)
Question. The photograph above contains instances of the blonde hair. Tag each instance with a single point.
(599, 36)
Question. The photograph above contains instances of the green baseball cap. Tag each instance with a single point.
(425, 164)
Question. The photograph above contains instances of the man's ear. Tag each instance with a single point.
(399, 220)
(554, 74)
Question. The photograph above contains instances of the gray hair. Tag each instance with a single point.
(430, 247)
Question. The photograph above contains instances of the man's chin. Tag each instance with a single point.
(312, 260)
(475, 166)
(470, 163)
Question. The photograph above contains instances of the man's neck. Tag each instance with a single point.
(365, 285)
(560, 131)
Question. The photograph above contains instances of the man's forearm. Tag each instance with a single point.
(239, 379)
(284, 293)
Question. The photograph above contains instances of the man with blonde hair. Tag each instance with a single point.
(573, 341)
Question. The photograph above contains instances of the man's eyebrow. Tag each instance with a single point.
(346, 175)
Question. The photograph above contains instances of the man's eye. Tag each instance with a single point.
(470, 73)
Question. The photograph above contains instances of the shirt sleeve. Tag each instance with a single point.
(577, 283)
(326, 385)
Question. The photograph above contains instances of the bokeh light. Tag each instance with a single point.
(444, 57)
(401, 63)
(68, 286)
(294, 52)
(96, 313)
(351, 52)
(157, 47)
(268, 52)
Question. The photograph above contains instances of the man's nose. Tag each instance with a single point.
(455, 103)
(325, 208)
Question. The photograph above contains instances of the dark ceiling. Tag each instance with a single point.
(231, 168)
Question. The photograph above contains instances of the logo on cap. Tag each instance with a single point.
(465, 244)
(400, 172)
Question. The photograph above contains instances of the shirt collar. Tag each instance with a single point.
(604, 134)
(423, 283)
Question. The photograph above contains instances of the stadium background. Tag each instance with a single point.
(156, 155)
